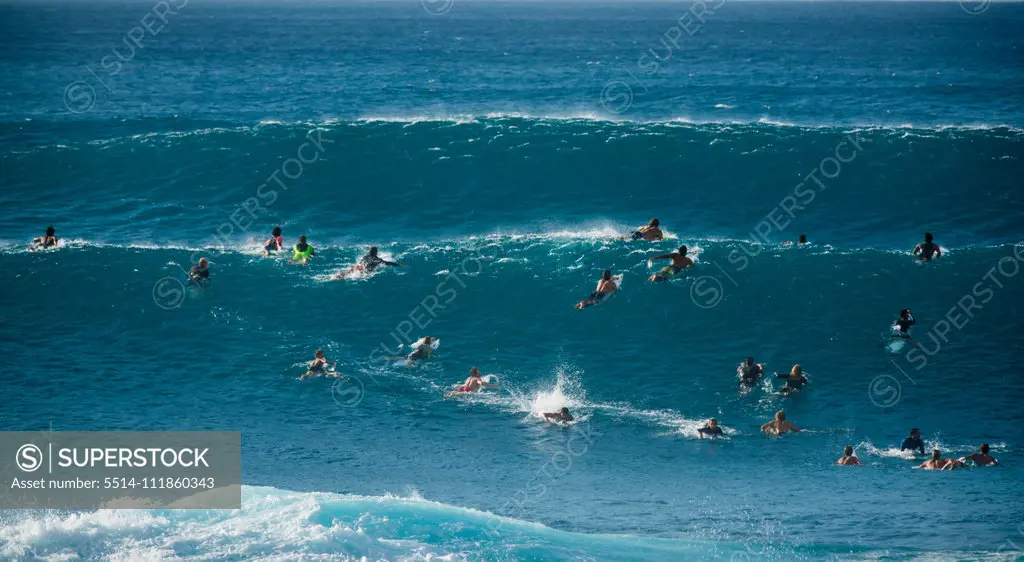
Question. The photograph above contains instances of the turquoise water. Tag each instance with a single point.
(499, 151)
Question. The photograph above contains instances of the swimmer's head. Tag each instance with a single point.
(607, 275)
(428, 339)
(936, 454)
(780, 415)
(302, 239)
(373, 250)
(654, 222)
(712, 422)
(904, 313)
(565, 411)
(474, 372)
(203, 262)
(803, 238)
(915, 432)
(927, 236)
(276, 232)
(50, 231)
(984, 448)
(797, 371)
(848, 451)
(683, 250)
(319, 354)
(750, 361)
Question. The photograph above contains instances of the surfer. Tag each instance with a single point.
(317, 367)
(651, 232)
(795, 380)
(48, 240)
(848, 458)
(473, 384)
(200, 273)
(913, 442)
(711, 429)
(274, 243)
(423, 349)
(604, 288)
(779, 425)
(927, 249)
(939, 463)
(801, 241)
(302, 251)
(750, 372)
(679, 263)
(367, 264)
(981, 458)
(562, 415)
(904, 322)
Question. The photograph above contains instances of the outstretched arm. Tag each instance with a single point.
(661, 257)
(391, 263)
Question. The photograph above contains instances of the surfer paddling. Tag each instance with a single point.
(981, 458)
(795, 380)
(848, 458)
(779, 425)
(927, 250)
(750, 372)
(711, 429)
(562, 415)
(48, 240)
(605, 287)
(913, 442)
(302, 251)
(424, 348)
(318, 366)
(367, 264)
(679, 263)
(275, 243)
(473, 384)
(651, 232)
(200, 273)
(939, 463)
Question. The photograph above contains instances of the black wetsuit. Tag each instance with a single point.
(421, 352)
(370, 263)
(904, 324)
(792, 384)
(198, 274)
(708, 430)
(750, 374)
(911, 443)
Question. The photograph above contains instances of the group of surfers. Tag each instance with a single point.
(749, 372)
(302, 252)
(780, 425)
(422, 350)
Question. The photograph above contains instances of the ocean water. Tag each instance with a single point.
(499, 151)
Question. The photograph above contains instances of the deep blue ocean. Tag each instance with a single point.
(500, 151)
